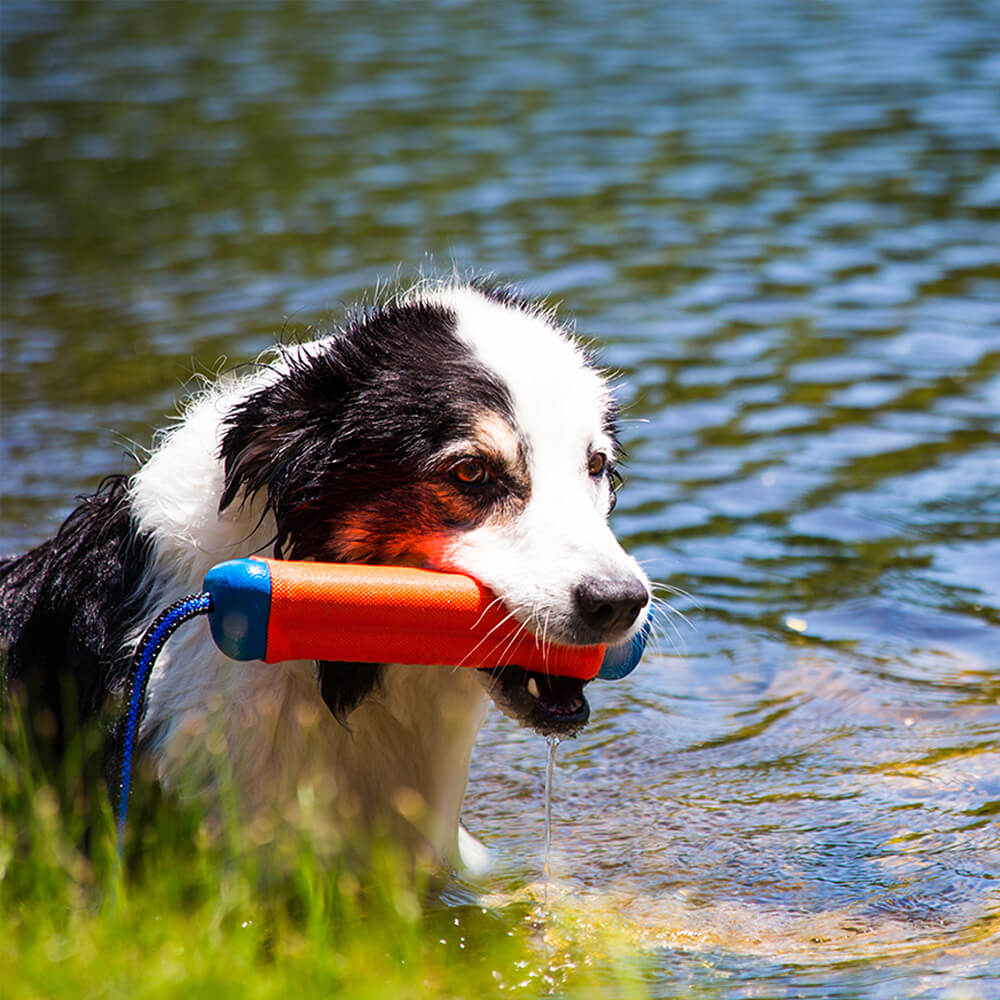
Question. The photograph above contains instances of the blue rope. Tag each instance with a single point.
(147, 651)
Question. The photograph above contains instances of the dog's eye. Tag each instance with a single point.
(598, 464)
(471, 472)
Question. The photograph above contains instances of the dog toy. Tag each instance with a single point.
(267, 609)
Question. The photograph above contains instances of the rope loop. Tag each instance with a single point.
(148, 649)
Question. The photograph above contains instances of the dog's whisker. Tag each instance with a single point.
(499, 626)
(537, 619)
(664, 628)
(489, 607)
(546, 644)
(507, 643)
(673, 589)
(668, 611)
(511, 643)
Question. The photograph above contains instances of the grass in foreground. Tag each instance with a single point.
(193, 915)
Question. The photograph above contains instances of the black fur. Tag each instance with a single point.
(506, 295)
(355, 421)
(343, 686)
(66, 609)
(352, 425)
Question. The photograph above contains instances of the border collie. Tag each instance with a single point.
(455, 427)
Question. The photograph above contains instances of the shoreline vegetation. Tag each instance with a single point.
(193, 911)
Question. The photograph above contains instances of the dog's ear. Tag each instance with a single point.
(345, 685)
(251, 453)
(285, 440)
(254, 454)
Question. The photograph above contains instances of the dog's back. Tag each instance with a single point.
(66, 610)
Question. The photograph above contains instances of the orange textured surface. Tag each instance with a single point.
(397, 614)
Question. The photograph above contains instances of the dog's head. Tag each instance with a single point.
(460, 428)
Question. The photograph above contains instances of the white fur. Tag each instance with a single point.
(407, 749)
(563, 534)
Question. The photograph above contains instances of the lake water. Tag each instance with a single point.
(781, 223)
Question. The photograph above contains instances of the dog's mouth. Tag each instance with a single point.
(551, 705)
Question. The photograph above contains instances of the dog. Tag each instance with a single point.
(457, 426)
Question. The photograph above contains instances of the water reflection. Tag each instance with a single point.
(781, 226)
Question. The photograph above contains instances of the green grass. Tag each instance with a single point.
(195, 913)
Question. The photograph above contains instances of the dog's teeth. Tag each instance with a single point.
(532, 687)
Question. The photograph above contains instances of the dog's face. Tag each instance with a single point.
(458, 428)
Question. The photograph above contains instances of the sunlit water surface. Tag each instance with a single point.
(780, 223)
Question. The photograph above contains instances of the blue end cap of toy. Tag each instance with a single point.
(620, 661)
(241, 607)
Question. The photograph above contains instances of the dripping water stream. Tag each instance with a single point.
(553, 742)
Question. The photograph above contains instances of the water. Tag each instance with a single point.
(779, 222)
(550, 762)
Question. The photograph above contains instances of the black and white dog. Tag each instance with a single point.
(457, 427)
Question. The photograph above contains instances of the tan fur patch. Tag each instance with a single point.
(411, 523)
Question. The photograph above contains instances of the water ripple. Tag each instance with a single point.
(781, 227)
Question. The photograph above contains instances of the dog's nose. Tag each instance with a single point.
(610, 604)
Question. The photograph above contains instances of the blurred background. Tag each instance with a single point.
(780, 221)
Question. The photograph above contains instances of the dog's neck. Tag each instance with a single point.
(405, 754)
